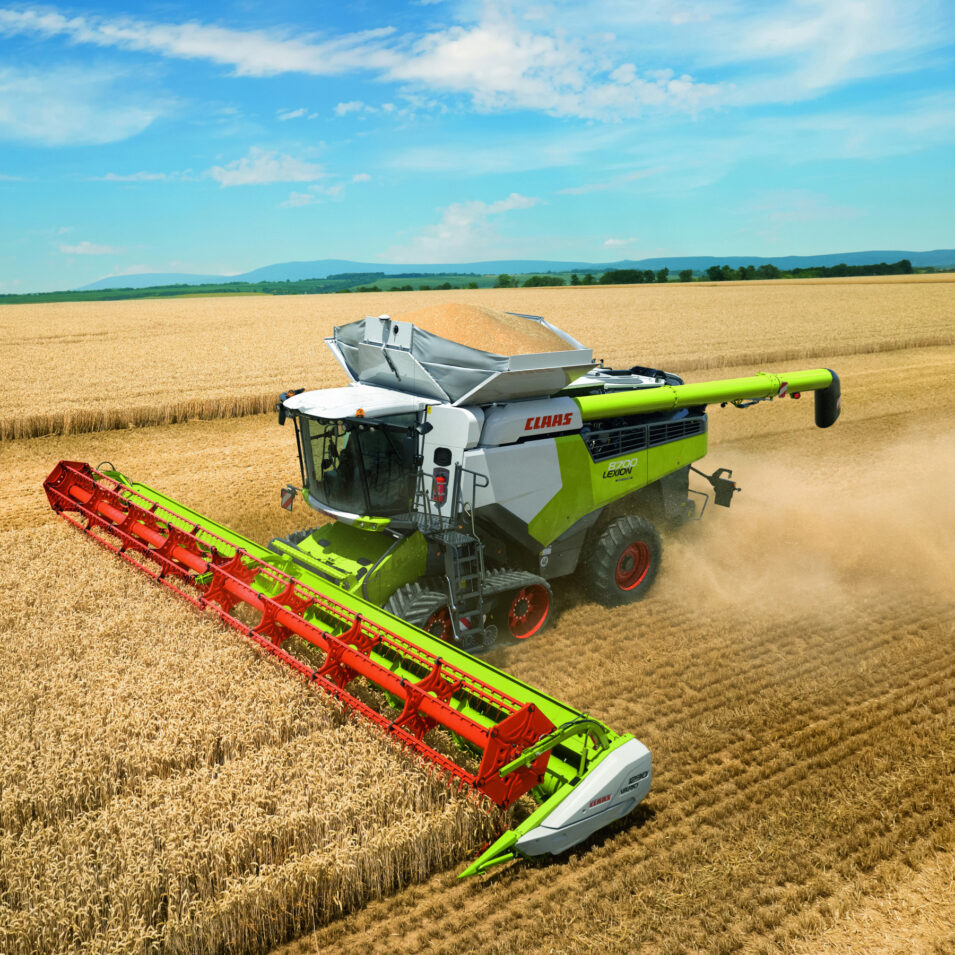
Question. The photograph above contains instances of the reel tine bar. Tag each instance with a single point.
(212, 573)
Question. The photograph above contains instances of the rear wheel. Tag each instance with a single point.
(521, 604)
(525, 612)
(623, 561)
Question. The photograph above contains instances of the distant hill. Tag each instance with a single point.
(149, 279)
(322, 268)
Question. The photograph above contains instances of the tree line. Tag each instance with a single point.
(361, 281)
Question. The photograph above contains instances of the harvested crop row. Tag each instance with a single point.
(796, 687)
(800, 828)
(161, 361)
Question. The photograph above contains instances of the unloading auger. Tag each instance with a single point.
(514, 740)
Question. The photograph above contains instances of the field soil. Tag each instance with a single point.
(793, 671)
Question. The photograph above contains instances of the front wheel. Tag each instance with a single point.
(623, 561)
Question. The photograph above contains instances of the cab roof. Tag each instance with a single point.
(337, 403)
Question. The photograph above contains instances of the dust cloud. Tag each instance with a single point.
(797, 534)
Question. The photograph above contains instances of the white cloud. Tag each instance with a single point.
(263, 166)
(361, 177)
(825, 43)
(315, 194)
(249, 52)
(353, 106)
(68, 106)
(504, 66)
(616, 243)
(287, 114)
(464, 231)
(296, 199)
(601, 60)
(497, 62)
(90, 248)
(136, 177)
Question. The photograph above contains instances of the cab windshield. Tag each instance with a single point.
(362, 468)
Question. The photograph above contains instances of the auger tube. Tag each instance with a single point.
(763, 385)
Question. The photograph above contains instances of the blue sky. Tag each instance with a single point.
(216, 138)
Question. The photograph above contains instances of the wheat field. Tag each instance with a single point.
(164, 788)
(153, 362)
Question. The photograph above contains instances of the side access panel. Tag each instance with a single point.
(372, 564)
(540, 490)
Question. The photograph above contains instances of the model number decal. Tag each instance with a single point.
(633, 782)
(548, 421)
(618, 469)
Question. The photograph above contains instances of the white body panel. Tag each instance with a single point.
(505, 424)
(454, 429)
(606, 794)
(522, 477)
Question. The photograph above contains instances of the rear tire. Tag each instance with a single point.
(623, 561)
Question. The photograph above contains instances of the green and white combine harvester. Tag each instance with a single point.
(461, 484)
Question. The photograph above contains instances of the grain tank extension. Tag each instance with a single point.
(463, 483)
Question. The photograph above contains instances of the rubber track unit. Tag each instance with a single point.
(501, 582)
(415, 602)
(215, 575)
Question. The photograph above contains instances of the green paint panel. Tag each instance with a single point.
(358, 561)
(588, 485)
(667, 458)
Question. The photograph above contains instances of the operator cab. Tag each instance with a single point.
(358, 449)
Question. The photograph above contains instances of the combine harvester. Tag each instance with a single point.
(461, 483)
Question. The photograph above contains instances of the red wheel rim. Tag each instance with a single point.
(633, 565)
(527, 611)
(439, 624)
